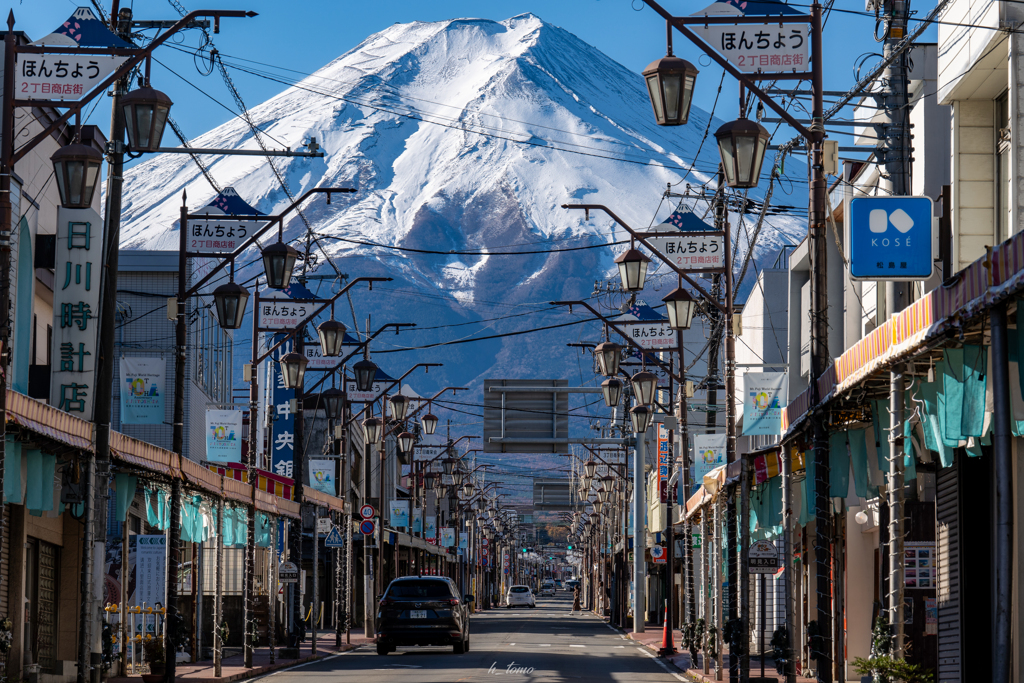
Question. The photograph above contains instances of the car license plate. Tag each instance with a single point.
(417, 614)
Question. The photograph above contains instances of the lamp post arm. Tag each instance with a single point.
(314, 314)
(640, 238)
(680, 25)
(138, 55)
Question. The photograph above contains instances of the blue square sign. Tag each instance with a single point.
(891, 238)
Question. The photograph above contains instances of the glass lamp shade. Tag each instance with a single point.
(680, 307)
(641, 416)
(371, 430)
(590, 468)
(612, 390)
(278, 263)
(293, 369)
(491, 513)
(670, 82)
(607, 354)
(602, 494)
(365, 371)
(145, 115)
(77, 170)
(334, 403)
(332, 334)
(442, 491)
(587, 481)
(598, 504)
(448, 464)
(741, 145)
(632, 269)
(467, 490)
(459, 476)
(644, 385)
(608, 482)
(229, 299)
(428, 480)
(399, 406)
(406, 441)
(429, 423)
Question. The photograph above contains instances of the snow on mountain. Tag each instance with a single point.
(460, 136)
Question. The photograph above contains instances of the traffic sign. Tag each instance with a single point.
(891, 238)
(658, 554)
(366, 527)
(763, 558)
(334, 539)
(367, 511)
(287, 572)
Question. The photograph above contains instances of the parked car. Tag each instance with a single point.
(423, 610)
(547, 588)
(520, 596)
(571, 584)
(558, 584)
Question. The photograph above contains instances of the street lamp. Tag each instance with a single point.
(77, 170)
(334, 403)
(612, 390)
(293, 369)
(429, 422)
(491, 512)
(467, 490)
(633, 268)
(608, 358)
(399, 406)
(670, 83)
(405, 442)
(590, 468)
(365, 371)
(448, 464)
(145, 115)
(229, 299)
(641, 417)
(371, 430)
(680, 307)
(741, 145)
(332, 335)
(644, 385)
(278, 262)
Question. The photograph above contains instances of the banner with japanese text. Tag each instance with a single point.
(143, 386)
(282, 443)
(321, 475)
(399, 513)
(765, 395)
(431, 530)
(224, 435)
(76, 302)
(447, 536)
(710, 453)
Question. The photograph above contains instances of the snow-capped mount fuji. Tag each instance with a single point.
(460, 136)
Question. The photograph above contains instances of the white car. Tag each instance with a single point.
(520, 596)
(547, 588)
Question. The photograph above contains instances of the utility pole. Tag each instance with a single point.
(894, 130)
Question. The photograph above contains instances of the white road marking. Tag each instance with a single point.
(544, 645)
(577, 646)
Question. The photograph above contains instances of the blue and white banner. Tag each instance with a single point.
(447, 536)
(417, 521)
(710, 453)
(399, 513)
(143, 382)
(765, 396)
(463, 540)
(321, 476)
(224, 435)
(431, 531)
(282, 443)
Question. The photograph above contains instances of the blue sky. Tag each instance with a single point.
(306, 34)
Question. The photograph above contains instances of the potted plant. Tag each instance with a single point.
(154, 651)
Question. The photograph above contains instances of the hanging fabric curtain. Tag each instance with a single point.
(838, 465)
(807, 512)
(13, 478)
(911, 442)
(975, 380)
(263, 531)
(152, 514)
(880, 422)
(40, 470)
(228, 527)
(953, 390)
(241, 527)
(859, 460)
(125, 484)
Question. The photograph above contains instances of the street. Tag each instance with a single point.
(542, 644)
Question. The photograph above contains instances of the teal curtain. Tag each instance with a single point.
(933, 427)
(909, 452)
(34, 476)
(880, 423)
(228, 527)
(125, 484)
(22, 341)
(838, 465)
(12, 473)
(187, 517)
(808, 490)
(263, 531)
(953, 390)
(972, 421)
(241, 527)
(859, 458)
(152, 516)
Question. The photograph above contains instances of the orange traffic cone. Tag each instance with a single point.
(667, 648)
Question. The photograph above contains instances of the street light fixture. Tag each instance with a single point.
(332, 335)
(641, 417)
(371, 430)
(279, 262)
(399, 406)
(633, 269)
(229, 299)
(608, 357)
(429, 422)
(491, 513)
(365, 371)
(77, 170)
(293, 369)
(612, 390)
(590, 468)
(644, 385)
(145, 115)
(670, 82)
(405, 442)
(680, 307)
(334, 403)
(448, 464)
(741, 145)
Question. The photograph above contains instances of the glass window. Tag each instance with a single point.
(419, 589)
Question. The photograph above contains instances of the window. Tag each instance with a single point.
(420, 589)
(41, 608)
(1004, 227)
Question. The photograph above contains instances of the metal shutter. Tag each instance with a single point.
(947, 523)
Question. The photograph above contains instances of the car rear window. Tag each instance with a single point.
(419, 589)
(519, 589)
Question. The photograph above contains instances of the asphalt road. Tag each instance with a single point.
(541, 644)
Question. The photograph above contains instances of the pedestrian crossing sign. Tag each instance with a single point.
(334, 539)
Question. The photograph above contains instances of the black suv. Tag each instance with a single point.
(423, 610)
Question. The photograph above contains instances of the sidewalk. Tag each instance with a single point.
(232, 669)
(652, 636)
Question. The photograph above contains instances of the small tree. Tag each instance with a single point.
(883, 667)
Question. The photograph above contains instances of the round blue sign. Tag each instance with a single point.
(366, 527)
